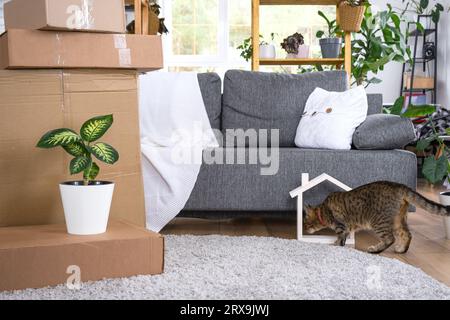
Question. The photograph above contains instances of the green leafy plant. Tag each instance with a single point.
(84, 146)
(380, 41)
(436, 167)
(292, 43)
(333, 30)
(247, 47)
(422, 7)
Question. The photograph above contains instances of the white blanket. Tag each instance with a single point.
(174, 132)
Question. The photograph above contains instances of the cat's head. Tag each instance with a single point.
(313, 220)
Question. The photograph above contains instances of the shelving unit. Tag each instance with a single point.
(141, 13)
(256, 61)
(416, 60)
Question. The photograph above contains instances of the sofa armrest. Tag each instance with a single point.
(384, 132)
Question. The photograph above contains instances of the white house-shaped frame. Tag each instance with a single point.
(306, 185)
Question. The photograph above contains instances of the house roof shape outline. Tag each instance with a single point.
(316, 181)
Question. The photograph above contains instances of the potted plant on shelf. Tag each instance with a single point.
(351, 14)
(266, 50)
(86, 203)
(421, 7)
(295, 46)
(436, 166)
(332, 43)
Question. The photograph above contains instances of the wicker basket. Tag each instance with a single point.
(350, 18)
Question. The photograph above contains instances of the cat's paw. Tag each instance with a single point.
(400, 249)
(373, 249)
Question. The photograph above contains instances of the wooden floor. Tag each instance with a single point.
(429, 250)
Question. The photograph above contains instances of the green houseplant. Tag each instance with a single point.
(380, 41)
(86, 203)
(266, 50)
(331, 41)
(422, 7)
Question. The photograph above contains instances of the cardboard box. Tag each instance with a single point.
(36, 101)
(31, 49)
(34, 257)
(76, 15)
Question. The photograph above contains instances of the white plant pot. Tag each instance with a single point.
(267, 51)
(303, 52)
(86, 208)
(444, 198)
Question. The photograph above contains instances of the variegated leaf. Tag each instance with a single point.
(105, 153)
(79, 164)
(92, 172)
(75, 149)
(58, 137)
(95, 128)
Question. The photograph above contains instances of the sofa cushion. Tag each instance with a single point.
(211, 88)
(241, 187)
(257, 100)
(384, 132)
(375, 101)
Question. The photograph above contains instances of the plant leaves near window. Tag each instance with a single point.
(435, 170)
(95, 128)
(75, 149)
(104, 152)
(447, 131)
(415, 111)
(91, 172)
(58, 137)
(423, 144)
(79, 164)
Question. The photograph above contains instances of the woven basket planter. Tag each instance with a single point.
(350, 18)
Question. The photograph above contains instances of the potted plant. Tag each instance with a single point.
(421, 7)
(295, 46)
(436, 167)
(86, 203)
(266, 50)
(351, 14)
(332, 43)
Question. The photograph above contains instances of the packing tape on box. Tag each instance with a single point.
(120, 43)
(80, 16)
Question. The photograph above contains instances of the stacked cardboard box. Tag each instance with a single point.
(72, 61)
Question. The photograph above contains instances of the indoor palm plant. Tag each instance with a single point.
(86, 203)
(330, 45)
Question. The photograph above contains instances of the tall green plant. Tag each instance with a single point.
(380, 41)
(422, 7)
(436, 167)
(84, 146)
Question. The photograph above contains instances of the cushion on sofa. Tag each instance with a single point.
(375, 102)
(331, 118)
(211, 89)
(384, 132)
(258, 100)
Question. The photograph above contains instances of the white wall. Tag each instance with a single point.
(391, 76)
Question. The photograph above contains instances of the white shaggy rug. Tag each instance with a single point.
(218, 267)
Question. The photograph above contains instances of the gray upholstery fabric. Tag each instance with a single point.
(375, 103)
(235, 187)
(257, 100)
(384, 132)
(211, 88)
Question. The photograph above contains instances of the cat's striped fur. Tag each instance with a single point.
(379, 206)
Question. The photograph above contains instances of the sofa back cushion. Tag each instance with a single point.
(257, 100)
(211, 89)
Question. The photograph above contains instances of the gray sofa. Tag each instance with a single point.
(276, 101)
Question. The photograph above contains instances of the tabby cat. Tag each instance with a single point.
(379, 206)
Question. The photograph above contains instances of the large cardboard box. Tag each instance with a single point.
(79, 15)
(30, 49)
(35, 101)
(39, 256)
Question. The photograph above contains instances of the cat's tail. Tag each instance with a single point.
(427, 204)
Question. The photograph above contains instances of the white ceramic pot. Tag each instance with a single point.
(86, 208)
(444, 198)
(303, 52)
(267, 51)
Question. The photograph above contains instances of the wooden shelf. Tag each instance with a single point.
(294, 62)
(300, 2)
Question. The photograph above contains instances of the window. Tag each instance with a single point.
(204, 34)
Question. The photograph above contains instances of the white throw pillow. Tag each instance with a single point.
(331, 118)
